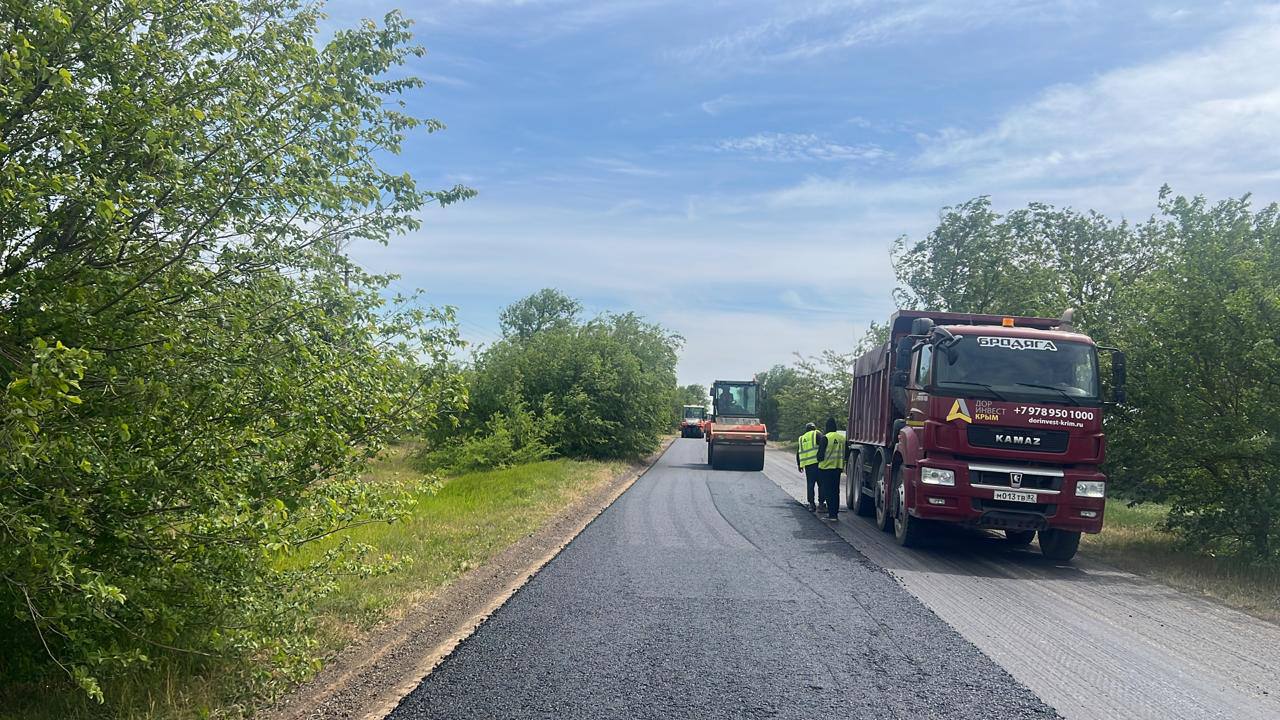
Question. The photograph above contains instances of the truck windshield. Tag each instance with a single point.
(738, 400)
(694, 413)
(1039, 370)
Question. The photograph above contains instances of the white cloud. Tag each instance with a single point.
(791, 147)
(1196, 117)
(449, 80)
(735, 345)
(801, 30)
(624, 167)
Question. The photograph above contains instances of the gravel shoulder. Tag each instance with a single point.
(1091, 640)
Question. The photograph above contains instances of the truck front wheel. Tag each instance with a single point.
(908, 531)
(1059, 544)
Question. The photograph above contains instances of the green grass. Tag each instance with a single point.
(1133, 539)
(468, 520)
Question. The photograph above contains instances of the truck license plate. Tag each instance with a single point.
(1025, 497)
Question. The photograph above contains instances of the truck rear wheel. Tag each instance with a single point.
(908, 531)
(850, 485)
(1059, 544)
(884, 517)
(858, 501)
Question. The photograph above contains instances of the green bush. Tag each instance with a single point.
(192, 375)
(602, 388)
(515, 437)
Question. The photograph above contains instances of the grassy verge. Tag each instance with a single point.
(1133, 540)
(468, 520)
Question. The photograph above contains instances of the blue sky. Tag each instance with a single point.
(737, 170)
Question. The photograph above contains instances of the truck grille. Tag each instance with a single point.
(1002, 479)
(1052, 441)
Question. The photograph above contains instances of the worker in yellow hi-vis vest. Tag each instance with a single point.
(831, 463)
(807, 460)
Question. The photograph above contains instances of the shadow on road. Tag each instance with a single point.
(959, 551)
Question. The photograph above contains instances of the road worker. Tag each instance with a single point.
(726, 405)
(831, 464)
(807, 460)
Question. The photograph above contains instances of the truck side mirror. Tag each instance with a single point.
(902, 359)
(899, 379)
(1117, 376)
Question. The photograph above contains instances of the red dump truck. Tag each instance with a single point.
(983, 420)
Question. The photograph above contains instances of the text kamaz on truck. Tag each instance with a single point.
(982, 420)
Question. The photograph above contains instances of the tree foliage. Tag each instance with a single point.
(603, 388)
(193, 373)
(1038, 260)
(1202, 429)
(546, 309)
(773, 383)
(820, 390)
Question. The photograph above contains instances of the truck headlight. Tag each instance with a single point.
(936, 476)
(1091, 488)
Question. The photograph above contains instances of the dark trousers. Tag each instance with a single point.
(831, 491)
(813, 479)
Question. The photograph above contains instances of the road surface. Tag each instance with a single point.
(1090, 640)
(713, 594)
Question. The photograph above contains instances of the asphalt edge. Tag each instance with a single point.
(318, 698)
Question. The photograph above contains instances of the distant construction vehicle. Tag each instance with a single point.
(735, 434)
(988, 421)
(694, 418)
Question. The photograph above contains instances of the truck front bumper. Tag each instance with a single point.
(1008, 497)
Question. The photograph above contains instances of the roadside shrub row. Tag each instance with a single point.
(557, 385)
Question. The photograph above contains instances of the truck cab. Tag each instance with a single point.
(987, 421)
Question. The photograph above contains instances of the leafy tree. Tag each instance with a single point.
(1038, 260)
(821, 390)
(192, 372)
(972, 262)
(692, 394)
(1201, 428)
(604, 388)
(544, 310)
(773, 382)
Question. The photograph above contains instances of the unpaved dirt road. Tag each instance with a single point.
(712, 594)
(1090, 640)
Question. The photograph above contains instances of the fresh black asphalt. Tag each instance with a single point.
(714, 594)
